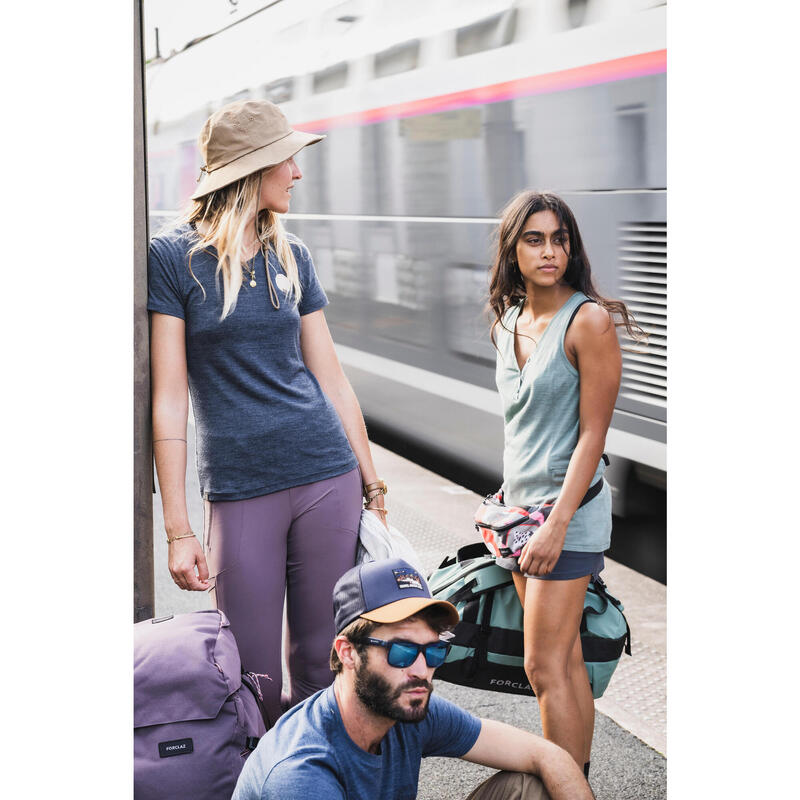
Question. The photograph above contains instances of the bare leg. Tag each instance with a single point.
(583, 694)
(551, 630)
(520, 582)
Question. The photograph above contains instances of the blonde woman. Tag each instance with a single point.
(282, 451)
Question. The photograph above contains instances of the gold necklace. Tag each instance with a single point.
(250, 266)
(264, 247)
(252, 269)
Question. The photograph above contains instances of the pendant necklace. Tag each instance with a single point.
(264, 248)
(252, 269)
(250, 266)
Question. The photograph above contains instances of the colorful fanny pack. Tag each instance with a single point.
(506, 529)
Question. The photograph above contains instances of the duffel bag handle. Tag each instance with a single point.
(598, 586)
(447, 561)
(470, 551)
(590, 610)
(465, 553)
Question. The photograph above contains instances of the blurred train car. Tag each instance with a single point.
(436, 114)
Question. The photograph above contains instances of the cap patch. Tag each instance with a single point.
(407, 579)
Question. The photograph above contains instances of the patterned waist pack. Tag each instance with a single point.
(506, 529)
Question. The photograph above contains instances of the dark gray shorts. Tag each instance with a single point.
(571, 564)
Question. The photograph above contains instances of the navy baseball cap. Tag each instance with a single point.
(383, 591)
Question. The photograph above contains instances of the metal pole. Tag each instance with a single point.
(143, 575)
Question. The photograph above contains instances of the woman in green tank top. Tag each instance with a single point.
(558, 374)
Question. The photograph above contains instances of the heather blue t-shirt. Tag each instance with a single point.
(309, 754)
(262, 421)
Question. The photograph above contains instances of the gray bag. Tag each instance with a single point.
(196, 716)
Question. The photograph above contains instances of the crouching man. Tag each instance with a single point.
(364, 736)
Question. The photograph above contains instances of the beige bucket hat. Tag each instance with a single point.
(244, 137)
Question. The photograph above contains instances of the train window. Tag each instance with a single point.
(486, 34)
(330, 78)
(279, 91)
(400, 58)
(576, 12)
(631, 138)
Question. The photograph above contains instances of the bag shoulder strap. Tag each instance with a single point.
(576, 309)
(251, 683)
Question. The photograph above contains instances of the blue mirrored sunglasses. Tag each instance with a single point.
(401, 654)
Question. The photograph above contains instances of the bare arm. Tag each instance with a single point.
(170, 413)
(320, 357)
(591, 343)
(502, 746)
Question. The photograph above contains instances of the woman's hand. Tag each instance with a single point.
(184, 556)
(542, 550)
(381, 517)
(376, 505)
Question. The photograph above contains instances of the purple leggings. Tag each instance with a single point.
(297, 543)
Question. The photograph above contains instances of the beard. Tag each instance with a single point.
(377, 694)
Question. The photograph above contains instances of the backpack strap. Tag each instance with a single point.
(252, 685)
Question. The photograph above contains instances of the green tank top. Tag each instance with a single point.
(540, 408)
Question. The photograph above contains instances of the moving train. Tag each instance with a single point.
(436, 113)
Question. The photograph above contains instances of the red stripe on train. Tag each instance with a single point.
(617, 69)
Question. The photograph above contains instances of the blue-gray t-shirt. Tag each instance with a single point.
(263, 423)
(309, 754)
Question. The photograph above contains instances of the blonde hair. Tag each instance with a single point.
(224, 215)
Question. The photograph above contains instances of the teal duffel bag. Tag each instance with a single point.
(487, 649)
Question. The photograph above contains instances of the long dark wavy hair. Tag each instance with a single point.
(506, 286)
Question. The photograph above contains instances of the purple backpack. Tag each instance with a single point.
(196, 717)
